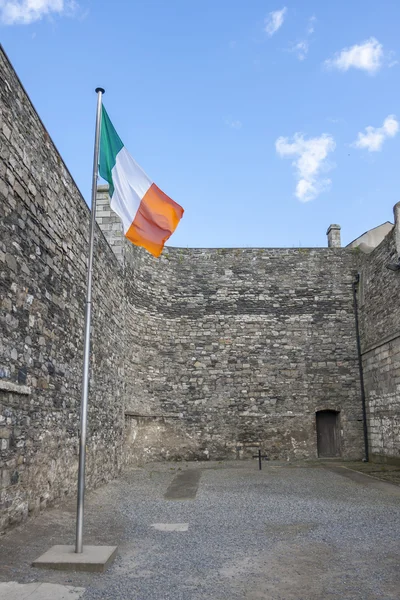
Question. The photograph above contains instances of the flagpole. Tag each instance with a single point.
(86, 351)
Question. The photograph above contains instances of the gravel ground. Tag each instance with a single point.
(289, 532)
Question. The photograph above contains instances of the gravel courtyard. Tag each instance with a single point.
(202, 531)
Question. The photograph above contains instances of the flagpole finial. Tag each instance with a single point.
(102, 90)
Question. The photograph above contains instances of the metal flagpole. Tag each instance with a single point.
(86, 351)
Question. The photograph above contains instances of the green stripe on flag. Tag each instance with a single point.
(110, 145)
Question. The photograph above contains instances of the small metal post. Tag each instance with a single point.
(86, 344)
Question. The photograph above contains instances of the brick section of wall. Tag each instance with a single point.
(109, 222)
(44, 232)
(379, 299)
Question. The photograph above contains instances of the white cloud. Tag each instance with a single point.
(275, 20)
(233, 124)
(367, 56)
(311, 24)
(336, 120)
(373, 138)
(310, 161)
(301, 49)
(23, 12)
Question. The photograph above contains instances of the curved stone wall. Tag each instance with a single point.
(240, 347)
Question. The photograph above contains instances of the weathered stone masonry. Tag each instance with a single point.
(200, 354)
(243, 346)
(379, 307)
(43, 247)
(237, 347)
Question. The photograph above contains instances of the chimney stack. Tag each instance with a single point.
(333, 234)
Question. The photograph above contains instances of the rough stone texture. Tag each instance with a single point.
(44, 225)
(239, 347)
(110, 223)
(379, 307)
(396, 212)
(333, 234)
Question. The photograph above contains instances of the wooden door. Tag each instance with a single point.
(327, 433)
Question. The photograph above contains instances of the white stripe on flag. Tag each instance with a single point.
(130, 185)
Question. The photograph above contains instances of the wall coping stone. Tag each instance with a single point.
(334, 407)
(15, 388)
(135, 415)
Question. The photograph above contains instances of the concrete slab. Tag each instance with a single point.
(184, 486)
(11, 590)
(95, 559)
(171, 526)
(15, 591)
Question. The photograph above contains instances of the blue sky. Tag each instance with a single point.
(252, 115)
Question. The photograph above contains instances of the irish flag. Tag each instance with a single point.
(149, 216)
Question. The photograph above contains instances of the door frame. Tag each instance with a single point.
(336, 411)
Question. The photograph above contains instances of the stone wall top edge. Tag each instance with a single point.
(283, 249)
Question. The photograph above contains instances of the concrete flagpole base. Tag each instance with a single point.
(94, 559)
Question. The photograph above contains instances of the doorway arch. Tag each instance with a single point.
(328, 439)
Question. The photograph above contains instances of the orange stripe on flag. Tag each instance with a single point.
(155, 221)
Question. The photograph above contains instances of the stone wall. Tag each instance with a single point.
(44, 226)
(240, 347)
(379, 308)
(233, 348)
